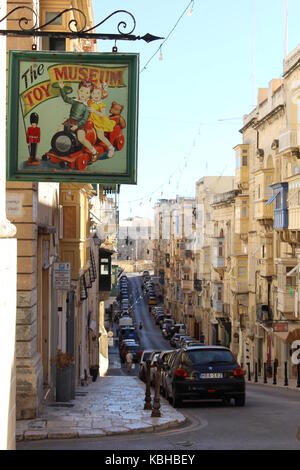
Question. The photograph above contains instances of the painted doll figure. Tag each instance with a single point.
(79, 113)
(98, 116)
(33, 136)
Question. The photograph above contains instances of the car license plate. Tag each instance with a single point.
(211, 375)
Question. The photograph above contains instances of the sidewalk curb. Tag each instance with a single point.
(285, 387)
(73, 433)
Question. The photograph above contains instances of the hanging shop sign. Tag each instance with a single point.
(72, 117)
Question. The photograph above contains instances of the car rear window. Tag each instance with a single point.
(146, 355)
(210, 356)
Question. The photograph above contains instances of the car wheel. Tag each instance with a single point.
(176, 401)
(240, 401)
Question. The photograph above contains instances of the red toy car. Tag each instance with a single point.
(66, 150)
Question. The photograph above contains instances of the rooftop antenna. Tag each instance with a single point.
(285, 28)
(253, 53)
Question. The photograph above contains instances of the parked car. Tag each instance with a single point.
(173, 339)
(159, 318)
(178, 328)
(183, 339)
(134, 348)
(142, 369)
(131, 335)
(204, 373)
(123, 346)
(189, 343)
(142, 366)
(153, 366)
(124, 330)
(166, 366)
(152, 300)
(162, 357)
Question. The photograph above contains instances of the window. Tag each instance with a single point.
(208, 356)
(263, 251)
(242, 271)
(278, 201)
(258, 191)
(245, 160)
(220, 250)
(50, 15)
(219, 294)
(290, 281)
(244, 211)
(57, 44)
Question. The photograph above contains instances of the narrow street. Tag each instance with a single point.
(270, 419)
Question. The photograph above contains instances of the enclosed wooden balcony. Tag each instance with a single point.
(281, 213)
(267, 267)
(242, 164)
(218, 253)
(241, 215)
(263, 192)
(286, 301)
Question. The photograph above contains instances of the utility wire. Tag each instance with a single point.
(165, 40)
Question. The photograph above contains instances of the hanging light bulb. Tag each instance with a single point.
(160, 54)
(190, 12)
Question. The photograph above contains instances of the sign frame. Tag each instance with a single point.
(129, 60)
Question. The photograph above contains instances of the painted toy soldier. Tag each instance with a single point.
(33, 138)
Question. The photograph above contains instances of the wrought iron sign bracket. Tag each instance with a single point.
(73, 32)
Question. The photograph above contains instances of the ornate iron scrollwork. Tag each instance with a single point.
(73, 32)
(23, 19)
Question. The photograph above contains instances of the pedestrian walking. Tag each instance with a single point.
(129, 358)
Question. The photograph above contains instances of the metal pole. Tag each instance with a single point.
(265, 373)
(148, 405)
(286, 380)
(8, 279)
(256, 373)
(156, 403)
(249, 373)
(275, 372)
(298, 375)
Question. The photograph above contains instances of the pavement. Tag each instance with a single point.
(111, 405)
(292, 383)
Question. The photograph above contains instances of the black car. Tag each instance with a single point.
(205, 373)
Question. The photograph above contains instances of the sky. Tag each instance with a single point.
(192, 101)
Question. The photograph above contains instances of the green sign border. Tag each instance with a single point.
(130, 60)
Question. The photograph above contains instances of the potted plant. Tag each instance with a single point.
(94, 371)
(64, 363)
